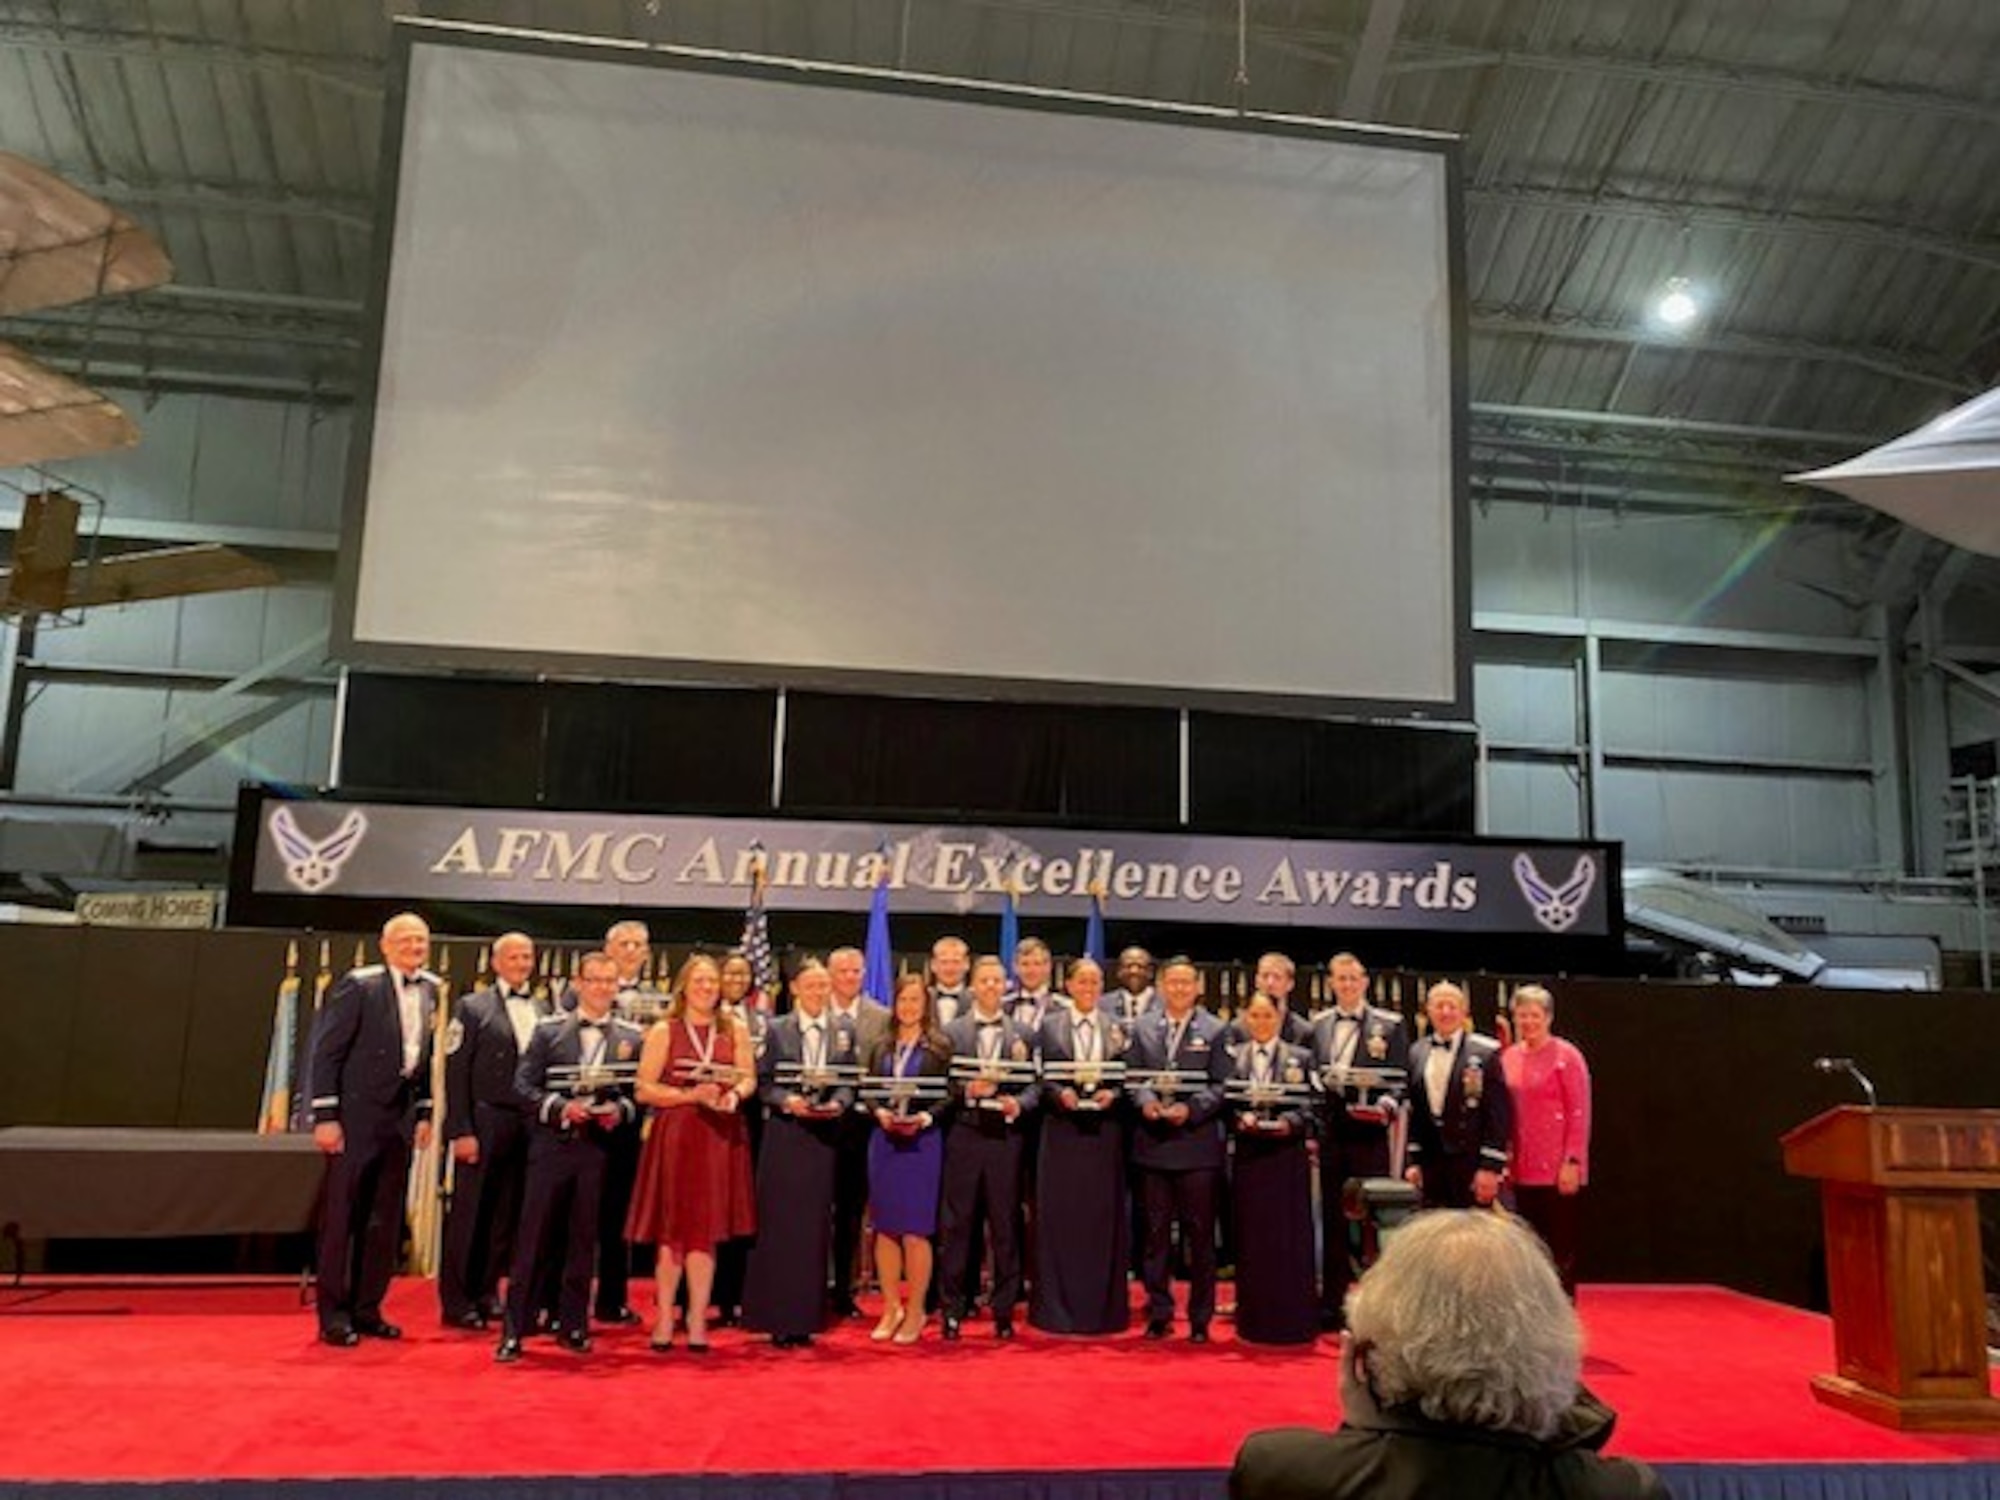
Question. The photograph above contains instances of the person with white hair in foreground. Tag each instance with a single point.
(1459, 1378)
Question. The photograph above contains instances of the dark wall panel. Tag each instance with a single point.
(137, 989)
(856, 756)
(40, 1015)
(467, 738)
(1695, 1084)
(595, 745)
(616, 747)
(1329, 778)
(234, 990)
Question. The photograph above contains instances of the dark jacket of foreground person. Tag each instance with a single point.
(1399, 1454)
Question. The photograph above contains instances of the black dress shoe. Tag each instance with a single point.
(1197, 1335)
(376, 1328)
(492, 1310)
(792, 1341)
(575, 1340)
(952, 1326)
(623, 1316)
(339, 1337)
(1003, 1328)
(508, 1352)
(1159, 1328)
(472, 1322)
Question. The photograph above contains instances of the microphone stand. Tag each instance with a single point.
(1846, 1065)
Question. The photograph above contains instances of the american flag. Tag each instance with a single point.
(756, 941)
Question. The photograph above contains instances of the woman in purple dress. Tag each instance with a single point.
(906, 1162)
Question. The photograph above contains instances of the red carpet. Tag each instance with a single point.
(188, 1382)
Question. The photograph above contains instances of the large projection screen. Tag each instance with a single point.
(710, 368)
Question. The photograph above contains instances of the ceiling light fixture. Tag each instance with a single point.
(1678, 306)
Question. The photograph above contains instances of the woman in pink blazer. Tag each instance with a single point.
(1549, 1084)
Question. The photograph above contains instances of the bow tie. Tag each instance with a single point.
(593, 1025)
(996, 1021)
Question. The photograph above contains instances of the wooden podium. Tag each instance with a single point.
(1902, 1261)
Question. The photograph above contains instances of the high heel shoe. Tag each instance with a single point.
(911, 1330)
(892, 1319)
(662, 1341)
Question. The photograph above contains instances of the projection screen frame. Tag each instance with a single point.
(408, 34)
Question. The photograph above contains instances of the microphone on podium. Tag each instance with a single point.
(1846, 1065)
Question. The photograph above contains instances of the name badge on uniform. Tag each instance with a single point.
(1196, 1044)
(1473, 1082)
(1378, 1044)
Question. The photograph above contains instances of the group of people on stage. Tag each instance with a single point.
(1002, 1139)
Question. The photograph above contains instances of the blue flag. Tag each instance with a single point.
(1093, 932)
(878, 979)
(1010, 932)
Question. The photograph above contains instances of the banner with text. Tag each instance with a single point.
(421, 853)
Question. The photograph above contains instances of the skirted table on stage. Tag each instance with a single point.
(63, 1183)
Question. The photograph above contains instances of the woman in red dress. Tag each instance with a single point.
(694, 1188)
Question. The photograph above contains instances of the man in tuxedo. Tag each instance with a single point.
(982, 1156)
(488, 1133)
(371, 1078)
(951, 961)
(1460, 1120)
(868, 1019)
(1460, 1376)
(1354, 1121)
(572, 1131)
(1177, 1145)
(1033, 994)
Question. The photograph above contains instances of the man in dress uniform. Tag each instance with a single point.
(371, 1073)
(982, 1155)
(1276, 975)
(488, 1133)
(630, 947)
(951, 961)
(1033, 994)
(868, 1019)
(1459, 1116)
(568, 1153)
(1135, 995)
(1354, 1122)
(1177, 1145)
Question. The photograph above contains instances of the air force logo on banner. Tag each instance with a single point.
(1556, 907)
(312, 867)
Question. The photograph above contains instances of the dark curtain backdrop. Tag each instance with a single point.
(1330, 778)
(628, 747)
(850, 756)
(590, 745)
